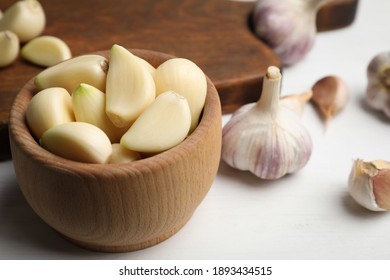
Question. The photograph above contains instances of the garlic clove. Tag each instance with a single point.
(69, 74)
(266, 138)
(89, 105)
(187, 79)
(369, 184)
(330, 95)
(296, 102)
(9, 47)
(122, 155)
(46, 51)
(49, 108)
(78, 141)
(25, 18)
(163, 125)
(149, 67)
(130, 87)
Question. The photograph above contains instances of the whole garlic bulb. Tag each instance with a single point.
(369, 184)
(266, 138)
(288, 26)
(378, 87)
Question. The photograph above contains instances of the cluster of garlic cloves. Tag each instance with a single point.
(266, 138)
(369, 184)
(289, 26)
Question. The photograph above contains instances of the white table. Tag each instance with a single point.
(308, 215)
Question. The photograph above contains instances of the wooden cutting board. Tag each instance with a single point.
(215, 34)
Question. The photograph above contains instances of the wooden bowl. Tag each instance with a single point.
(118, 207)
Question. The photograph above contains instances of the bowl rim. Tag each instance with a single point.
(19, 132)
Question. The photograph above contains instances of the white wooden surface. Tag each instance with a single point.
(308, 215)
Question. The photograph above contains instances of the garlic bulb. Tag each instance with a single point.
(369, 184)
(265, 137)
(378, 87)
(288, 26)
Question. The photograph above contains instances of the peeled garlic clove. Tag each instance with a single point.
(46, 51)
(330, 95)
(149, 67)
(78, 141)
(49, 108)
(296, 102)
(266, 138)
(378, 86)
(187, 79)
(369, 184)
(130, 87)
(25, 18)
(9, 47)
(122, 155)
(69, 74)
(89, 105)
(163, 125)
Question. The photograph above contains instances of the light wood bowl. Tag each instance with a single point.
(118, 207)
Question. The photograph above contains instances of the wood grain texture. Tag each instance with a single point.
(215, 34)
(118, 207)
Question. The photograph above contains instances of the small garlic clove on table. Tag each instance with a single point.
(9, 47)
(46, 51)
(369, 184)
(25, 18)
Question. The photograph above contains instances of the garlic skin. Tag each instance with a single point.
(288, 26)
(265, 137)
(369, 184)
(378, 86)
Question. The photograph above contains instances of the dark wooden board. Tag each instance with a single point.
(215, 34)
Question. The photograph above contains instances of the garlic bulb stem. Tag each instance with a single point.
(271, 86)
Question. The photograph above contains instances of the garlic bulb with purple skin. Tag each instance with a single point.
(378, 87)
(265, 137)
(287, 26)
